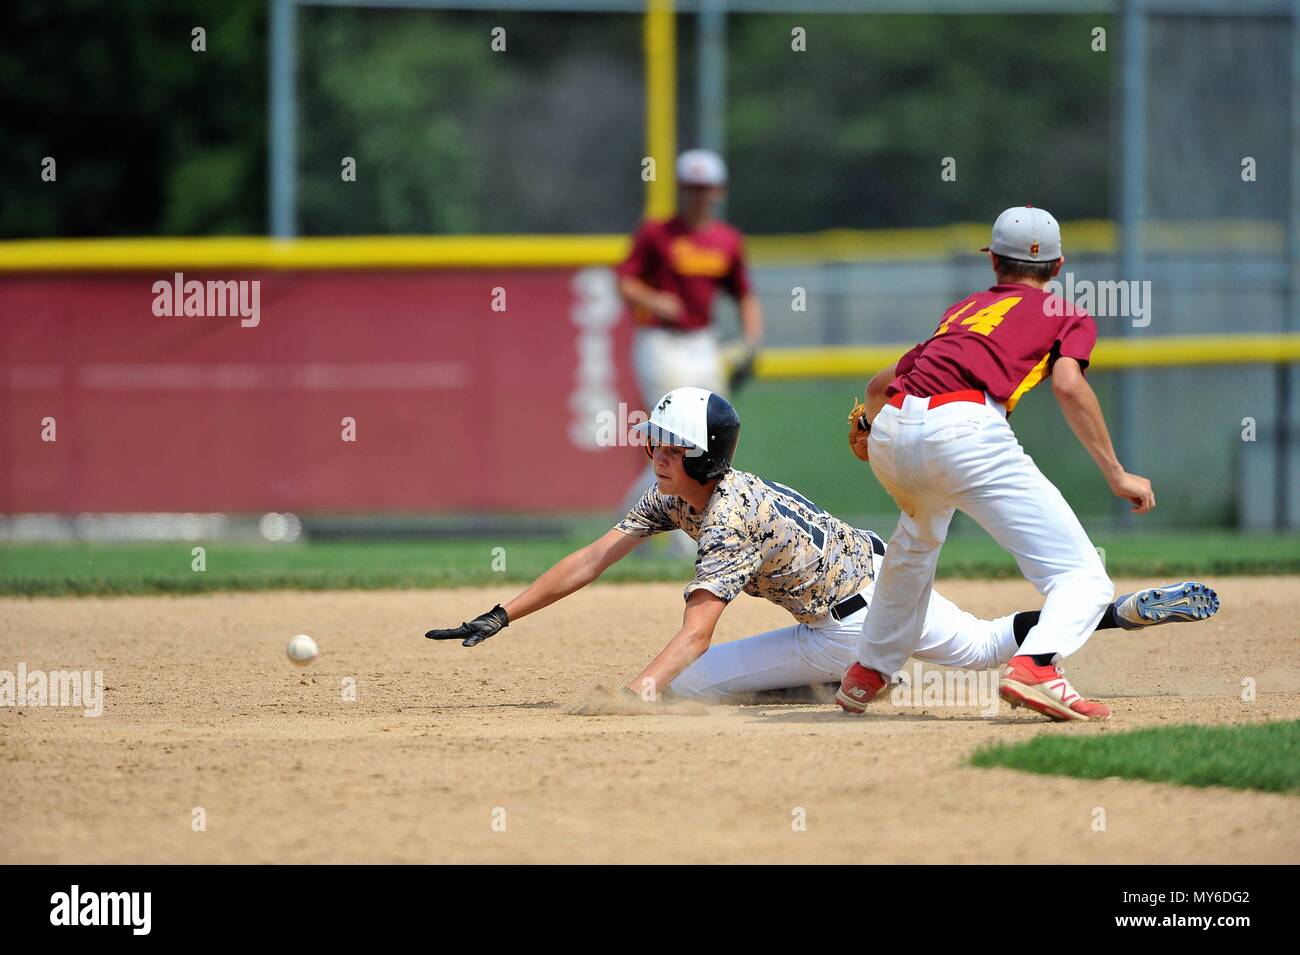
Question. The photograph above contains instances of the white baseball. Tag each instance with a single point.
(302, 650)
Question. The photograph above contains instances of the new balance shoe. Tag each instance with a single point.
(857, 688)
(1045, 690)
(1178, 603)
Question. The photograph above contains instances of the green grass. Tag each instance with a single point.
(811, 416)
(1263, 756)
(66, 569)
(71, 569)
(795, 432)
(1154, 556)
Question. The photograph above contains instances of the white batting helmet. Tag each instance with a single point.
(701, 421)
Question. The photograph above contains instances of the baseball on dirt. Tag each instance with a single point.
(302, 650)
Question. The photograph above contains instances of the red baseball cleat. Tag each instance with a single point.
(1046, 690)
(857, 688)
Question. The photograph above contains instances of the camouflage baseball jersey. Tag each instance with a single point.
(764, 539)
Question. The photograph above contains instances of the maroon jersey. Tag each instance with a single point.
(1002, 341)
(670, 257)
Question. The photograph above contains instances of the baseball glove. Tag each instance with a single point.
(741, 371)
(473, 632)
(859, 430)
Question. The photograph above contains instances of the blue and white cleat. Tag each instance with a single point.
(1178, 603)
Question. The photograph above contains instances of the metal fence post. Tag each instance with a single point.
(1133, 165)
(282, 135)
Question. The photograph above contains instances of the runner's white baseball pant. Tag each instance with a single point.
(809, 654)
(964, 456)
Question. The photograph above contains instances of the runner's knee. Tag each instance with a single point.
(694, 684)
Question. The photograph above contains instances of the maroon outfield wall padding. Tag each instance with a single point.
(458, 407)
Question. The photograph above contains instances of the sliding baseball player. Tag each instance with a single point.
(767, 540)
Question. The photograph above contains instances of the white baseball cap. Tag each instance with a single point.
(701, 167)
(1026, 234)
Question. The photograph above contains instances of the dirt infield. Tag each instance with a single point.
(444, 745)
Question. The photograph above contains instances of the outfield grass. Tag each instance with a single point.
(794, 432)
(67, 569)
(70, 569)
(1263, 756)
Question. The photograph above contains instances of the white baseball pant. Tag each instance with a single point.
(964, 456)
(808, 654)
(664, 359)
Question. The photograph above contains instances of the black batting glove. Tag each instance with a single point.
(474, 632)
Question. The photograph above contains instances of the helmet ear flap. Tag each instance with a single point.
(723, 433)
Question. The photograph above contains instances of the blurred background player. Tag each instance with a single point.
(767, 540)
(669, 281)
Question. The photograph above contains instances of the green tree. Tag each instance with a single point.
(149, 136)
